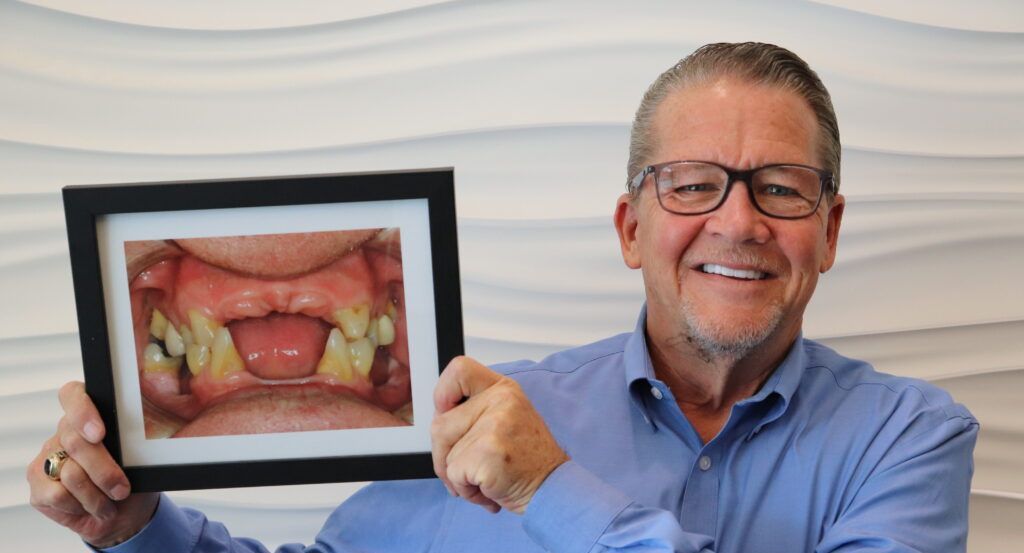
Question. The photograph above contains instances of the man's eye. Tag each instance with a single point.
(690, 188)
(779, 190)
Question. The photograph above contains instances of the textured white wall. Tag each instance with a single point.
(531, 102)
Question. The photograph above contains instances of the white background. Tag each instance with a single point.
(530, 101)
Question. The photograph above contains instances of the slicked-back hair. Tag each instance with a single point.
(752, 62)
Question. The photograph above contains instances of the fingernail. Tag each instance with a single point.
(92, 432)
(119, 492)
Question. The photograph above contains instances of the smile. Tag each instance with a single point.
(743, 274)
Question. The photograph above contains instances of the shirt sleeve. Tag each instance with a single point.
(916, 499)
(383, 517)
(574, 510)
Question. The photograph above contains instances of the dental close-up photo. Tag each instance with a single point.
(270, 333)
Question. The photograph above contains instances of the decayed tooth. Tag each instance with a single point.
(353, 321)
(362, 351)
(186, 335)
(158, 324)
(154, 360)
(391, 311)
(175, 345)
(203, 329)
(336, 359)
(385, 330)
(224, 357)
(198, 358)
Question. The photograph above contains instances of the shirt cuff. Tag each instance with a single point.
(572, 509)
(166, 531)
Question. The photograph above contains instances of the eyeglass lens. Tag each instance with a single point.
(691, 187)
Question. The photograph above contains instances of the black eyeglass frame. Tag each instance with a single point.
(825, 178)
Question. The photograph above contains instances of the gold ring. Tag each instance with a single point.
(53, 464)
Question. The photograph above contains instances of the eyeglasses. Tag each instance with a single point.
(783, 191)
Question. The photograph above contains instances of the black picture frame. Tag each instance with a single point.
(86, 205)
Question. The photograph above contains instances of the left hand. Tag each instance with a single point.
(493, 449)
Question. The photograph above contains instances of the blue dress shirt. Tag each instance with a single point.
(827, 456)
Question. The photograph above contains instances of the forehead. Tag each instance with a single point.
(737, 124)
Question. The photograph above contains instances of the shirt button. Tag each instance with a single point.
(656, 392)
(704, 463)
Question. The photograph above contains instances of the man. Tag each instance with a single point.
(713, 426)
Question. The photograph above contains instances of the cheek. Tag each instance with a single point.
(666, 243)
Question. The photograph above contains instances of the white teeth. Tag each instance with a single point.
(735, 273)
(154, 360)
(385, 330)
(158, 324)
(362, 351)
(203, 329)
(198, 358)
(353, 321)
(224, 357)
(173, 341)
(336, 359)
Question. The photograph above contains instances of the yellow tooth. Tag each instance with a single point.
(203, 329)
(175, 345)
(335, 360)
(198, 358)
(353, 321)
(158, 324)
(362, 351)
(224, 357)
(391, 311)
(385, 330)
(186, 335)
(154, 361)
(371, 332)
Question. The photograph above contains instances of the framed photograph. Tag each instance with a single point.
(261, 331)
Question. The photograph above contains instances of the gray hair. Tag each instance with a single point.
(754, 62)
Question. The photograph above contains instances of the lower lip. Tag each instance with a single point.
(293, 408)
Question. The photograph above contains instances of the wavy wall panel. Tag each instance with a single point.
(531, 102)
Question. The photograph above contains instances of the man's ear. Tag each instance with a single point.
(834, 218)
(626, 225)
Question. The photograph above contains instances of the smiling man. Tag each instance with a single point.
(713, 426)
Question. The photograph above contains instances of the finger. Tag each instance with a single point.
(465, 488)
(94, 459)
(80, 409)
(78, 484)
(447, 429)
(462, 378)
(46, 494)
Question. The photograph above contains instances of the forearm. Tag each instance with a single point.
(576, 511)
(177, 530)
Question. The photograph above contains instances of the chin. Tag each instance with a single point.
(733, 336)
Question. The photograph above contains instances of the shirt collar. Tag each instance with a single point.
(782, 383)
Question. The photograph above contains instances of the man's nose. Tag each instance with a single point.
(738, 219)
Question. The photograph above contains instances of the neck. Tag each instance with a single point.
(707, 386)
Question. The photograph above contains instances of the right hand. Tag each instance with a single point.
(92, 496)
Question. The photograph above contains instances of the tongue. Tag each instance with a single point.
(280, 346)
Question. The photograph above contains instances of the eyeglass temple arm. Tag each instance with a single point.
(638, 179)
